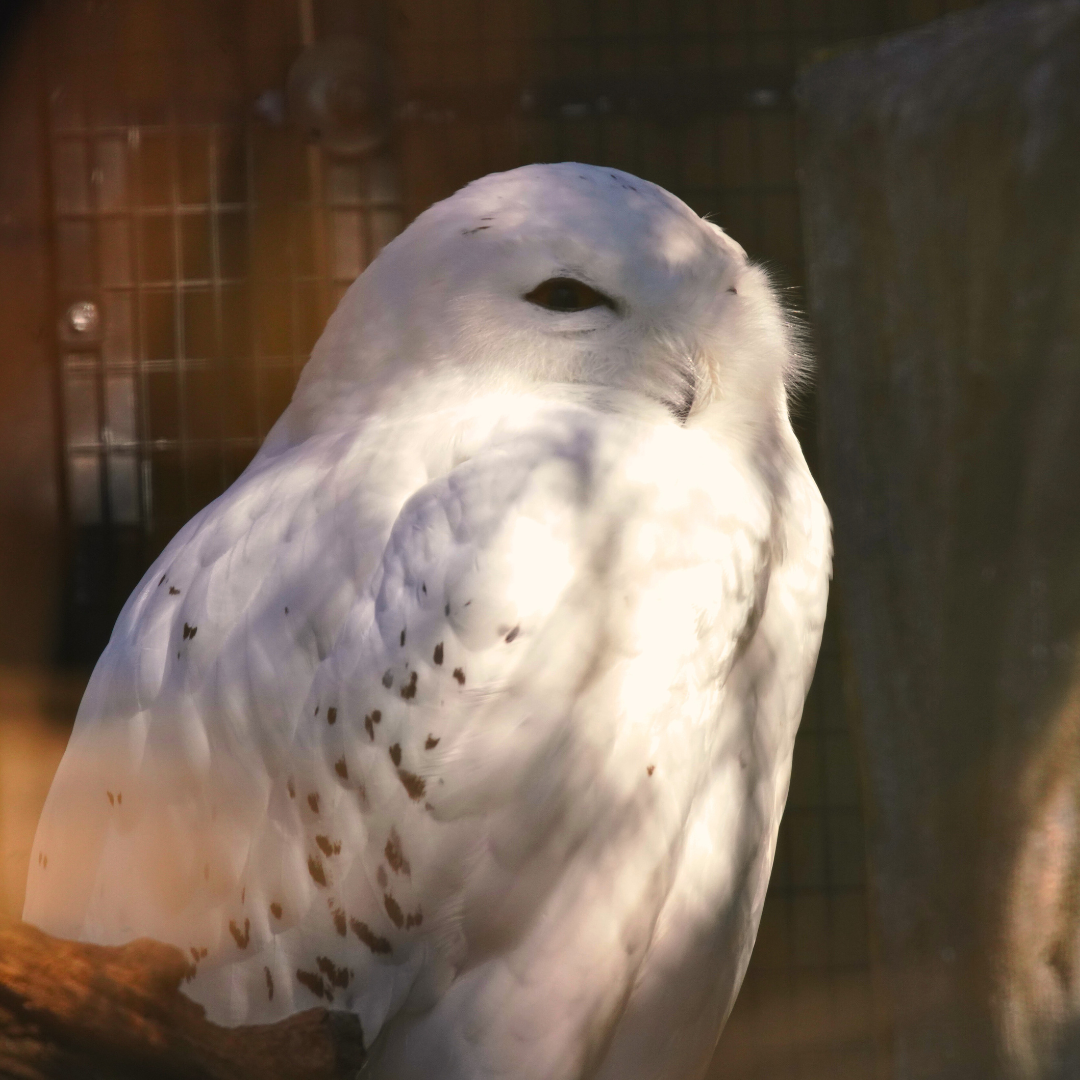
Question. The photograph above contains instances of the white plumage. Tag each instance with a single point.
(470, 706)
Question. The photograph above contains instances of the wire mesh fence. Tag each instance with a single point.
(199, 245)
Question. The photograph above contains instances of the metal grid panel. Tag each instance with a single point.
(201, 246)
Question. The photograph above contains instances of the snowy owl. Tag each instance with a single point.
(469, 707)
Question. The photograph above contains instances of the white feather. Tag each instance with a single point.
(470, 706)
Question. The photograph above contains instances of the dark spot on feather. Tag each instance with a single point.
(649, 770)
(388, 679)
(173, 591)
(335, 976)
(413, 784)
(732, 289)
(162, 581)
(341, 768)
(316, 710)
(393, 909)
(369, 727)
(119, 798)
(395, 857)
(437, 656)
(447, 610)
(380, 876)
(339, 921)
(409, 692)
(327, 847)
(331, 716)
(190, 631)
(513, 634)
(460, 676)
(241, 937)
(423, 585)
(275, 910)
(376, 716)
(467, 603)
(414, 920)
(269, 984)
(314, 983)
(313, 802)
(44, 861)
(479, 228)
(292, 790)
(314, 865)
(431, 742)
(395, 753)
(286, 611)
(375, 943)
(403, 638)
(111, 800)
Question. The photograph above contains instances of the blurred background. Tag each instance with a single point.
(186, 189)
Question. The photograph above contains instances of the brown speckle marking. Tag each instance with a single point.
(395, 753)
(408, 692)
(447, 611)
(413, 784)
(119, 798)
(364, 932)
(286, 611)
(431, 742)
(328, 847)
(315, 869)
(460, 676)
(414, 919)
(402, 639)
(339, 921)
(380, 877)
(162, 580)
(313, 802)
(395, 856)
(269, 984)
(650, 769)
(335, 976)
(275, 910)
(112, 801)
(316, 710)
(369, 727)
(388, 678)
(173, 591)
(438, 654)
(292, 789)
(341, 768)
(393, 909)
(241, 937)
(190, 631)
(513, 634)
(331, 715)
(313, 981)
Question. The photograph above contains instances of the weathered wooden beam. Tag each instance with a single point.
(92, 1012)
(940, 183)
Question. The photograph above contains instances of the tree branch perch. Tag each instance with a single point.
(92, 1012)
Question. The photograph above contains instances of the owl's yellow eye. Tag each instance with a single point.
(567, 294)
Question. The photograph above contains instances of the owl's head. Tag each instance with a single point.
(561, 274)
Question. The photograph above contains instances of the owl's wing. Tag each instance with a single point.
(439, 769)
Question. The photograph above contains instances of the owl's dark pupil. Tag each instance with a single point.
(564, 297)
(566, 294)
